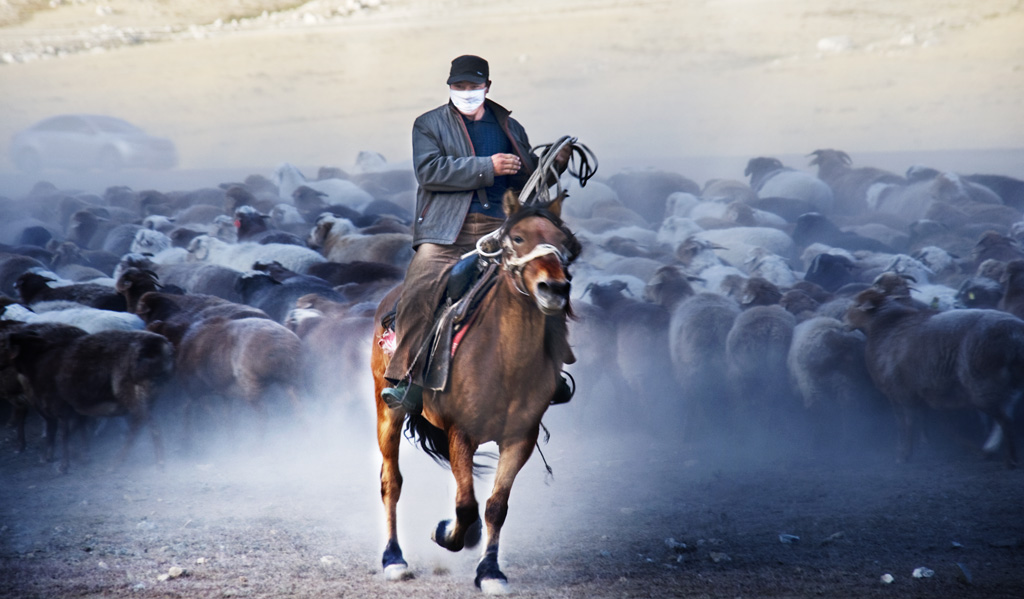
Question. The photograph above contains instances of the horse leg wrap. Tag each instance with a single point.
(488, 576)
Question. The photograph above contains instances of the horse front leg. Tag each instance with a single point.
(389, 433)
(465, 530)
(512, 457)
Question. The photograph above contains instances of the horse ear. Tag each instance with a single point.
(555, 207)
(510, 203)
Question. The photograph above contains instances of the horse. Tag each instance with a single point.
(502, 379)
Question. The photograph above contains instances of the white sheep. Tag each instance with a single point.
(90, 320)
(150, 242)
(337, 191)
(241, 256)
(736, 242)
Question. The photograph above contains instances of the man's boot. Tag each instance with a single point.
(405, 394)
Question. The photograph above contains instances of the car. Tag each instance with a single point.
(83, 141)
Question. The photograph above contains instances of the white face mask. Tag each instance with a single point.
(468, 101)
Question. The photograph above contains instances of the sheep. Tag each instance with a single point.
(206, 249)
(32, 288)
(261, 291)
(1009, 190)
(774, 182)
(734, 244)
(339, 241)
(90, 320)
(243, 358)
(817, 228)
(849, 185)
(772, 267)
(800, 304)
(71, 259)
(675, 230)
(24, 396)
(13, 266)
(728, 191)
(252, 226)
(638, 357)
(956, 359)
(979, 292)
(150, 242)
(1012, 282)
(831, 271)
(992, 245)
(698, 326)
(828, 371)
(287, 178)
(178, 312)
(109, 373)
(755, 353)
(331, 343)
(679, 203)
(645, 191)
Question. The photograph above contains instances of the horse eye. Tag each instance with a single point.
(517, 239)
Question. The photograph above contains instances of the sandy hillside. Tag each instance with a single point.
(643, 83)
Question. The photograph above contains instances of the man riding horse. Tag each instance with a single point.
(466, 155)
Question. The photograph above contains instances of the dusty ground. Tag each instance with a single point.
(696, 87)
(299, 516)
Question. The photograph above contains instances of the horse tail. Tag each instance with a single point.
(432, 440)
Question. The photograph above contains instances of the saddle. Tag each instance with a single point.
(468, 282)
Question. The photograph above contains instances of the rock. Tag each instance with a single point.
(789, 539)
(923, 572)
(719, 557)
(887, 578)
(832, 538)
(963, 574)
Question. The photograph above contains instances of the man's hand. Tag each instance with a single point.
(505, 164)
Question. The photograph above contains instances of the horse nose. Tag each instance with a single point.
(554, 288)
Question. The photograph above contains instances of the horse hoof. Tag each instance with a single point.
(473, 534)
(441, 534)
(398, 572)
(494, 586)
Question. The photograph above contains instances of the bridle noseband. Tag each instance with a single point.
(515, 264)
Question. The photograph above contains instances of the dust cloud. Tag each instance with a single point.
(695, 88)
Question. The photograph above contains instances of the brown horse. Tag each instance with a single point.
(502, 380)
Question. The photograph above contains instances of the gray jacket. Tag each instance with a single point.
(449, 173)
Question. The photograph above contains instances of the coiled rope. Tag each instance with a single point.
(582, 166)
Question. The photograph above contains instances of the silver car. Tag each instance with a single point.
(82, 141)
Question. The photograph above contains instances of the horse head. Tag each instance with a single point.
(537, 249)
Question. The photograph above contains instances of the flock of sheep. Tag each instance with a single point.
(789, 302)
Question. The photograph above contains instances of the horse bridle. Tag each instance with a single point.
(515, 264)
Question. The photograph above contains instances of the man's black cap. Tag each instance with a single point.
(468, 68)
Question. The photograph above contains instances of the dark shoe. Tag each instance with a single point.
(406, 395)
(563, 392)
